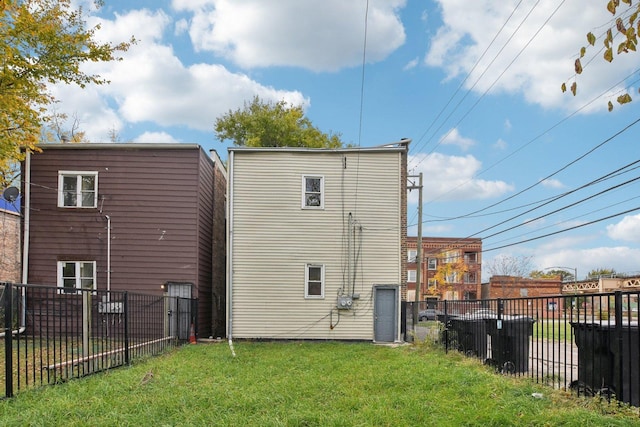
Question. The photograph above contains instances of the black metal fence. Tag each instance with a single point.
(52, 334)
(588, 343)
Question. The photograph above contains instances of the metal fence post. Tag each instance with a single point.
(125, 307)
(446, 328)
(8, 339)
(619, 339)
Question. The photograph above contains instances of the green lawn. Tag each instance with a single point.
(556, 330)
(307, 384)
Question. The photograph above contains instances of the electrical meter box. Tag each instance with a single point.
(345, 303)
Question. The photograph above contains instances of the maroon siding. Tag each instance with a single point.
(160, 201)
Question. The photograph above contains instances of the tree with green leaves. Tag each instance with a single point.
(564, 275)
(268, 124)
(626, 29)
(42, 42)
(602, 272)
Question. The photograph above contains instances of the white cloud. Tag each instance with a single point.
(411, 64)
(552, 183)
(500, 144)
(628, 229)
(452, 178)
(547, 58)
(151, 84)
(255, 33)
(156, 138)
(453, 137)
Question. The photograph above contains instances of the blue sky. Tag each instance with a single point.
(475, 85)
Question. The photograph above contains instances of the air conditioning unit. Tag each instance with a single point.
(345, 303)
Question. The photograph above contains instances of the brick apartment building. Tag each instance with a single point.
(436, 253)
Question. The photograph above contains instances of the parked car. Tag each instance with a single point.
(429, 314)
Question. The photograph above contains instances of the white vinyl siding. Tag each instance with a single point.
(271, 238)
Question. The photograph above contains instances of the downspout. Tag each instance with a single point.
(230, 254)
(26, 205)
(108, 257)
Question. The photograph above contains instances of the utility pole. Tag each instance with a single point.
(419, 246)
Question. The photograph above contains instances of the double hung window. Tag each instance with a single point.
(314, 281)
(73, 275)
(77, 189)
(313, 192)
(411, 276)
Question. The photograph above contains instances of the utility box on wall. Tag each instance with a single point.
(345, 303)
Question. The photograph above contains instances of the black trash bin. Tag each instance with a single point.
(595, 360)
(601, 360)
(470, 334)
(510, 342)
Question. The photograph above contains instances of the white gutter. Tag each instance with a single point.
(230, 253)
(26, 206)
(108, 257)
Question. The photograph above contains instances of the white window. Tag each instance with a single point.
(313, 192)
(314, 281)
(74, 275)
(432, 264)
(411, 276)
(77, 189)
(411, 255)
(432, 283)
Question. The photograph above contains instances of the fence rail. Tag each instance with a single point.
(588, 343)
(52, 335)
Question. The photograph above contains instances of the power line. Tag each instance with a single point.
(464, 116)
(563, 230)
(559, 209)
(471, 71)
(570, 219)
(608, 176)
(596, 147)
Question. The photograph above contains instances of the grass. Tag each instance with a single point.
(557, 330)
(307, 384)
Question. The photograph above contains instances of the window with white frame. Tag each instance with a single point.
(411, 275)
(432, 283)
(312, 192)
(77, 189)
(470, 277)
(411, 255)
(432, 263)
(74, 275)
(314, 281)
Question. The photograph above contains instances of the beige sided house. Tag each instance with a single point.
(315, 243)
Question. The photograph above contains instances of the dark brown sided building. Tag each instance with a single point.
(145, 218)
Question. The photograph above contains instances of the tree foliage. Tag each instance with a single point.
(605, 272)
(42, 42)
(626, 28)
(564, 275)
(267, 124)
(450, 270)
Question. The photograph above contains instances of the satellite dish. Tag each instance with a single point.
(11, 194)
